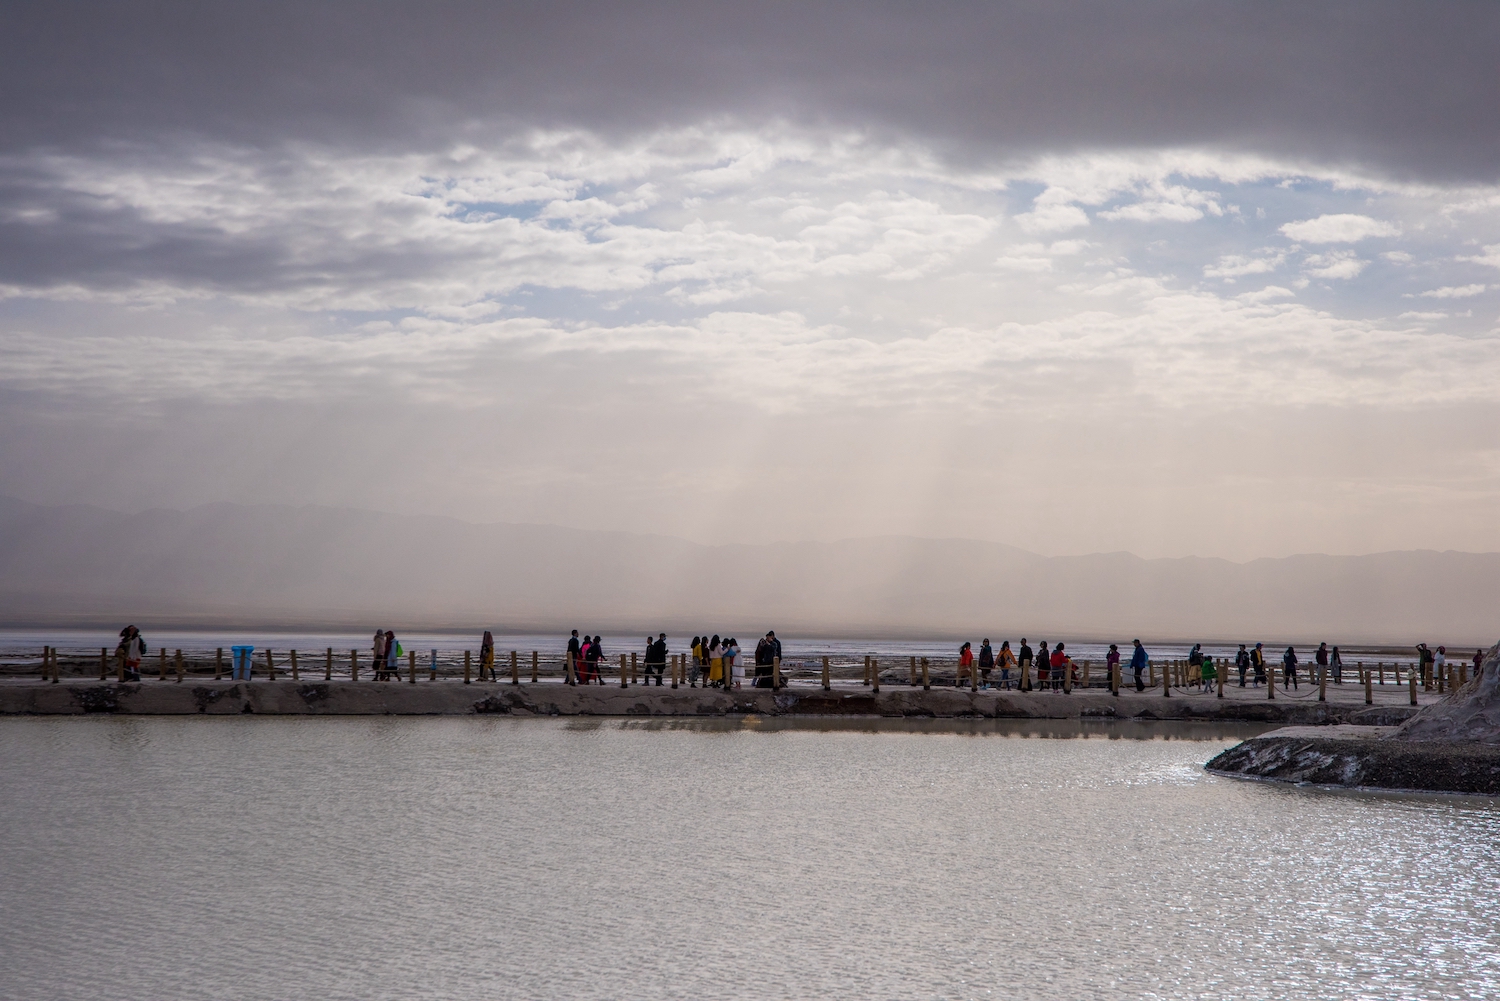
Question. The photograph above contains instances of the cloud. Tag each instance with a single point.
(1424, 316)
(1453, 292)
(1236, 265)
(1491, 256)
(1338, 228)
(1334, 264)
(1052, 218)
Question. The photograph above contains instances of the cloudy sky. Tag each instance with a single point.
(1173, 278)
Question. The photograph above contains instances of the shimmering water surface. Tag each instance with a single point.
(161, 858)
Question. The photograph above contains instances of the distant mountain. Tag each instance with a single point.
(301, 566)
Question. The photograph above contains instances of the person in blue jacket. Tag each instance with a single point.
(1138, 661)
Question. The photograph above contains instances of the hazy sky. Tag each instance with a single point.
(1174, 278)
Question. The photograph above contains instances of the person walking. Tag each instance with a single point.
(377, 655)
(1242, 661)
(986, 663)
(1258, 661)
(131, 649)
(392, 656)
(1336, 662)
(594, 657)
(1289, 668)
(1007, 662)
(1138, 662)
(965, 664)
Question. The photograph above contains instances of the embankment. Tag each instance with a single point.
(316, 698)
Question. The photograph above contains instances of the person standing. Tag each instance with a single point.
(986, 663)
(1138, 662)
(1242, 661)
(1062, 664)
(694, 652)
(1258, 661)
(595, 658)
(1440, 665)
(1336, 662)
(734, 672)
(715, 663)
(1289, 668)
(1321, 659)
(1478, 662)
(1111, 663)
(131, 649)
(487, 655)
(575, 657)
(1043, 665)
(965, 664)
(1424, 665)
(392, 656)
(1006, 661)
(657, 661)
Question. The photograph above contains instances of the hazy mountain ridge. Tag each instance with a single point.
(318, 565)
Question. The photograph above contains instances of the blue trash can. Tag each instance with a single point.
(242, 656)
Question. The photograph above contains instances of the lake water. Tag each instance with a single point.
(398, 857)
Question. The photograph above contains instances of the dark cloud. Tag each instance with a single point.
(1405, 89)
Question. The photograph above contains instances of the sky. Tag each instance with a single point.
(1171, 278)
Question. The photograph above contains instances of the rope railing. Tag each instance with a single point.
(1170, 677)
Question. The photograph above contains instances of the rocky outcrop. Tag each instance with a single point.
(1450, 746)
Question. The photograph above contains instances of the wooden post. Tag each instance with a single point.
(914, 672)
(161, 674)
(1166, 679)
(926, 677)
(1150, 674)
(1381, 666)
(676, 667)
(1270, 682)
(270, 666)
(1222, 669)
(466, 667)
(1322, 682)
(515, 669)
(180, 667)
(1411, 678)
(1463, 673)
(569, 676)
(1022, 685)
(828, 685)
(121, 659)
(974, 676)
(635, 679)
(623, 676)
(411, 668)
(874, 675)
(1114, 680)
(353, 665)
(867, 671)
(296, 676)
(1439, 671)
(1067, 670)
(328, 666)
(776, 675)
(533, 667)
(432, 666)
(1085, 674)
(1369, 692)
(104, 662)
